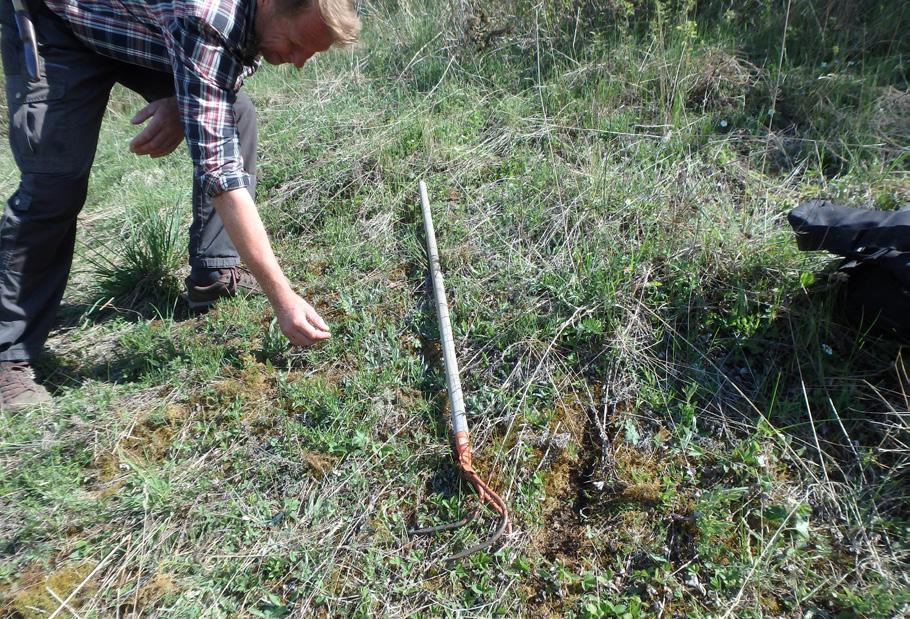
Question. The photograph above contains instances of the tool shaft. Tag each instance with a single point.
(461, 440)
(453, 381)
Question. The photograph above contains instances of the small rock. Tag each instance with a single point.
(693, 582)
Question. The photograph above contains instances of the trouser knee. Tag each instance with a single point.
(39, 222)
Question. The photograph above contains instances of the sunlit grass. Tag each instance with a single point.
(656, 379)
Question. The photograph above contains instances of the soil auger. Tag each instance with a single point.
(461, 442)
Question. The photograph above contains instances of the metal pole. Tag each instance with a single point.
(461, 438)
(456, 400)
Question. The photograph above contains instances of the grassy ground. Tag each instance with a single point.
(658, 382)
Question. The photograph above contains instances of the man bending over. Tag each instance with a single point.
(188, 58)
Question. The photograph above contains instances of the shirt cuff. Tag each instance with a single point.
(216, 184)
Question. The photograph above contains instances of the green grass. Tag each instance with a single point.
(657, 381)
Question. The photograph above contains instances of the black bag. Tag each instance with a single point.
(876, 250)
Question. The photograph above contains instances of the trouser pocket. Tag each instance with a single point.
(37, 127)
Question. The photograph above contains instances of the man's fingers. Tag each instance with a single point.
(145, 113)
(305, 342)
(165, 143)
(315, 333)
(146, 143)
(315, 318)
(154, 142)
(169, 147)
(300, 339)
(300, 323)
(139, 144)
(317, 321)
(303, 333)
(163, 134)
(158, 145)
(317, 329)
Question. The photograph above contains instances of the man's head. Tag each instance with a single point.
(291, 31)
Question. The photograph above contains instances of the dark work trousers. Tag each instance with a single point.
(53, 133)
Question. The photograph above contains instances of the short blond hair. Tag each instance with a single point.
(339, 15)
(341, 18)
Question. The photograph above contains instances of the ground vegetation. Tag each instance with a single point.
(658, 382)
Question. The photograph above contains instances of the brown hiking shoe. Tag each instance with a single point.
(18, 389)
(231, 282)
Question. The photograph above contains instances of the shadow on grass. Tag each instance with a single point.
(831, 392)
(59, 373)
(111, 361)
(171, 307)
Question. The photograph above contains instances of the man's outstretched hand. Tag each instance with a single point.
(299, 321)
(164, 132)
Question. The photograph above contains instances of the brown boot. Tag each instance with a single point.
(231, 282)
(18, 389)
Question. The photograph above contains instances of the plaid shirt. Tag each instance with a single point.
(209, 47)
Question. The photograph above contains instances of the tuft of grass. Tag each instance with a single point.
(138, 267)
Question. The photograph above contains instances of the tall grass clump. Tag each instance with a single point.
(137, 266)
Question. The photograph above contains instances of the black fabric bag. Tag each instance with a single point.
(876, 250)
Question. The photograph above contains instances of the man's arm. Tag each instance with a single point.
(298, 320)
